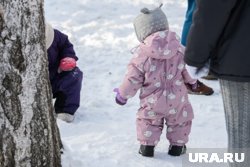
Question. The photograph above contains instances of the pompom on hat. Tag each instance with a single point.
(49, 35)
(149, 22)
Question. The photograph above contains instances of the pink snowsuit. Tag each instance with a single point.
(158, 70)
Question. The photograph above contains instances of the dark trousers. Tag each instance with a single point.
(66, 88)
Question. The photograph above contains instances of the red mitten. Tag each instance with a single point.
(67, 64)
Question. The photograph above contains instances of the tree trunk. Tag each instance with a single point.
(29, 136)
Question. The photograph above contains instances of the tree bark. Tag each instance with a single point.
(29, 136)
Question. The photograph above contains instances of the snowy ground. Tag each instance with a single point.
(103, 134)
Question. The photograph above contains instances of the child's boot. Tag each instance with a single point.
(147, 151)
(199, 88)
(66, 117)
(177, 150)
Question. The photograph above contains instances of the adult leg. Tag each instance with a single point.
(188, 21)
(236, 99)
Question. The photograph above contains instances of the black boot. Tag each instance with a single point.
(177, 150)
(147, 151)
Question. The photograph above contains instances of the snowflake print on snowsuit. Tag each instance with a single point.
(65, 77)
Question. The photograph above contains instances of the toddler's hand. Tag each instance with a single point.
(119, 99)
(67, 64)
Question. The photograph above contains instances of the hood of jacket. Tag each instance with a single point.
(161, 45)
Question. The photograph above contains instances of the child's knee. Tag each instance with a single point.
(76, 74)
(70, 79)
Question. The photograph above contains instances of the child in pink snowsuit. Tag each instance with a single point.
(158, 70)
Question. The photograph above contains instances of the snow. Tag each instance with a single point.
(103, 133)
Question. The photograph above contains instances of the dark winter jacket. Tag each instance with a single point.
(59, 49)
(220, 34)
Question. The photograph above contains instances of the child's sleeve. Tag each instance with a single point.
(65, 46)
(67, 54)
(134, 78)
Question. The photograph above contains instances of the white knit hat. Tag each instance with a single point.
(49, 34)
(149, 22)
